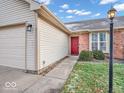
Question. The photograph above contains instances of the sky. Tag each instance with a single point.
(79, 10)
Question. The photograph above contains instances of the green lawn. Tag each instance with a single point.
(93, 78)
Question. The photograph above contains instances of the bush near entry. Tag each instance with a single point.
(99, 55)
(85, 56)
(90, 55)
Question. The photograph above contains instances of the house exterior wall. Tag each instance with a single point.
(17, 11)
(119, 44)
(83, 42)
(53, 43)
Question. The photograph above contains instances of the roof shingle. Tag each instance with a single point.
(95, 24)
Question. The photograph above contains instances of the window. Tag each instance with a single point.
(94, 41)
(99, 41)
(102, 37)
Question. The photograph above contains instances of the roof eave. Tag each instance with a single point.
(95, 30)
(37, 6)
(61, 25)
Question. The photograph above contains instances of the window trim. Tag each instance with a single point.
(107, 41)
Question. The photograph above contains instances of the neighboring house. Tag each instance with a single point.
(94, 35)
(31, 37)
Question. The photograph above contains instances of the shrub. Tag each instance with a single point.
(99, 55)
(86, 56)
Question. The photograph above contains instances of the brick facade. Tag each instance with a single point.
(84, 42)
(118, 43)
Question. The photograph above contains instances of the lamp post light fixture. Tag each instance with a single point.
(111, 16)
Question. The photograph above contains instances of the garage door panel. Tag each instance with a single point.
(12, 46)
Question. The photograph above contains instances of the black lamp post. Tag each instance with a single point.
(111, 15)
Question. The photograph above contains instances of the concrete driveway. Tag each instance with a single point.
(16, 81)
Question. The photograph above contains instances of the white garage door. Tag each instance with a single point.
(12, 46)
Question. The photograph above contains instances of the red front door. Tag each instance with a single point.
(74, 45)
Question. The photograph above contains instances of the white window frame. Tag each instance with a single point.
(107, 41)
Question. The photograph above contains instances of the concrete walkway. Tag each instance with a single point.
(28, 83)
(55, 79)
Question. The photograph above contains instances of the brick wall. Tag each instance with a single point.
(84, 42)
(119, 44)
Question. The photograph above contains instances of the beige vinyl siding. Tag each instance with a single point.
(12, 46)
(53, 43)
(16, 11)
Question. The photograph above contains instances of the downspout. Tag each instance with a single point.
(26, 45)
(26, 48)
(37, 58)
